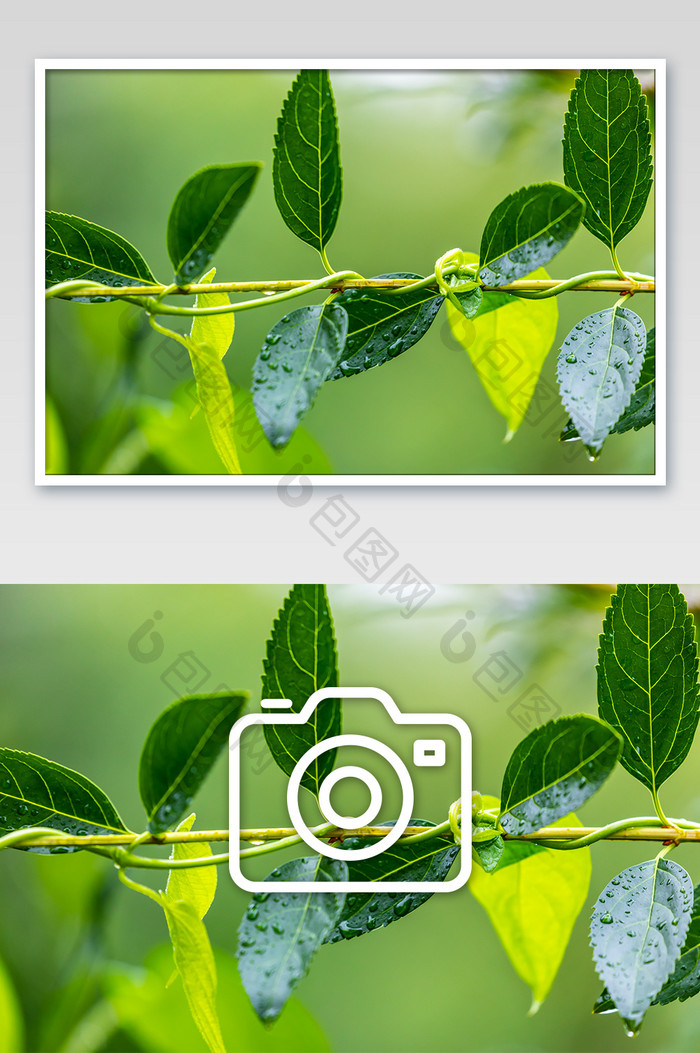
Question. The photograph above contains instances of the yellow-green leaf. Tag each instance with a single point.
(209, 340)
(533, 905)
(216, 330)
(194, 885)
(11, 1038)
(507, 345)
(195, 963)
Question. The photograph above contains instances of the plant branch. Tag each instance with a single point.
(581, 283)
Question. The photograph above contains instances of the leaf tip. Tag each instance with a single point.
(534, 1008)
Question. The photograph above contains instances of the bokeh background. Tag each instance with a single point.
(83, 679)
(426, 156)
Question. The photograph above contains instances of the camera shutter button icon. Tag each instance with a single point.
(427, 753)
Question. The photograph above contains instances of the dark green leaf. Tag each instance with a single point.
(647, 679)
(554, 770)
(203, 211)
(642, 409)
(282, 931)
(38, 792)
(76, 249)
(598, 368)
(526, 230)
(179, 750)
(382, 325)
(300, 352)
(639, 925)
(424, 861)
(607, 151)
(684, 981)
(300, 659)
(487, 854)
(306, 171)
(471, 301)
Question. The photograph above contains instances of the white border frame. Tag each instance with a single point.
(255, 719)
(658, 478)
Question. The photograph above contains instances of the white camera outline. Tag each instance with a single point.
(398, 717)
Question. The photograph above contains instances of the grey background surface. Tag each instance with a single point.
(244, 534)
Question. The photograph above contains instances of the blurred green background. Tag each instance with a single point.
(426, 156)
(82, 681)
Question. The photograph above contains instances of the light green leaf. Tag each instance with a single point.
(157, 1019)
(638, 928)
(300, 353)
(179, 751)
(209, 340)
(300, 659)
(607, 151)
(11, 1026)
(194, 885)
(555, 769)
(282, 931)
(35, 791)
(202, 213)
(215, 330)
(648, 679)
(526, 230)
(508, 346)
(195, 964)
(306, 171)
(533, 905)
(598, 367)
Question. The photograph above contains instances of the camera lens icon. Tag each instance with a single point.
(344, 822)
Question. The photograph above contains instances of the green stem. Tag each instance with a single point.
(135, 887)
(616, 263)
(324, 260)
(153, 306)
(570, 283)
(658, 809)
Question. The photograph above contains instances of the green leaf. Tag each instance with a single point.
(684, 981)
(555, 769)
(194, 885)
(157, 1019)
(35, 791)
(300, 352)
(424, 861)
(306, 172)
(638, 928)
(526, 230)
(11, 1026)
(533, 905)
(202, 213)
(647, 679)
(195, 964)
(382, 325)
(508, 345)
(215, 330)
(607, 151)
(598, 368)
(300, 659)
(76, 248)
(216, 400)
(282, 931)
(179, 750)
(642, 408)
